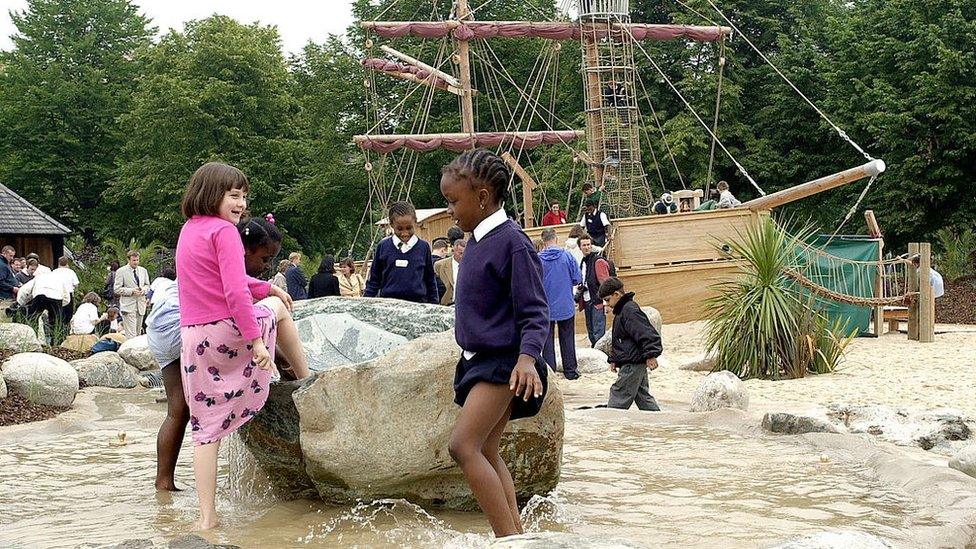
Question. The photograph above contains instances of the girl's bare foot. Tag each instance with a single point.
(167, 487)
(205, 523)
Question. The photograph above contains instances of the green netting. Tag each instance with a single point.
(854, 279)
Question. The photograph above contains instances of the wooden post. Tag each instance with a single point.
(464, 69)
(912, 275)
(528, 185)
(594, 115)
(879, 284)
(926, 299)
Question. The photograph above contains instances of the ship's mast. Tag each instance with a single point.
(612, 115)
(464, 70)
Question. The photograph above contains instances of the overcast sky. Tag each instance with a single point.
(298, 21)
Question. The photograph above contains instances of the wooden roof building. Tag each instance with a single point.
(28, 229)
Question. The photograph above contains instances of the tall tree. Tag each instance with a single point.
(62, 88)
(216, 91)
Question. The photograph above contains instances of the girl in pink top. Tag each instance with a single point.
(228, 341)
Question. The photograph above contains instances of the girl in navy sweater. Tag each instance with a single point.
(403, 268)
(501, 324)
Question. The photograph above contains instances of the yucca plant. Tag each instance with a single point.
(957, 253)
(761, 324)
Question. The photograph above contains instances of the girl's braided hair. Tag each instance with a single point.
(482, 166)
(257, 232)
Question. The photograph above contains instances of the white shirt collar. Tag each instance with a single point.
(404, 248)
(489, 223)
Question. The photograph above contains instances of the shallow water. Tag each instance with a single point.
(661, 486)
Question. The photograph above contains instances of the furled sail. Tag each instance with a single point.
(459, 142)
(474, 30)
(401, 70)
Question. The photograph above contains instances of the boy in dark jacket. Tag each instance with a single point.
(636, 346)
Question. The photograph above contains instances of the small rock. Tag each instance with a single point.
(720, 390)
(791, 424)
(135, 352)
(837, 540)
(193, 541)
(106, 369)
(562, 540)
(19, 338)
(965, 460)
(41, 378)
(81, 343)
(704, 362)
(589, 361)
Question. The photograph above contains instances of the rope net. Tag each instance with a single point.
(878, 283)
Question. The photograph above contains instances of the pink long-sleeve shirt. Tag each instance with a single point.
(213, 284)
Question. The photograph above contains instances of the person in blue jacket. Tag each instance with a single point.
(560, 276)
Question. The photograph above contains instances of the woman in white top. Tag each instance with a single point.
(86, 317)
(279, 279)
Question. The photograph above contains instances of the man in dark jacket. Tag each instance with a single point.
(636, 346)
(295, 278)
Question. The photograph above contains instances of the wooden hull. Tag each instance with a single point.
(672, 261)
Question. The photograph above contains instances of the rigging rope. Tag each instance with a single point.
(718, 104)
(695, 113)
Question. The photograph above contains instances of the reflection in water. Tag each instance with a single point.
(670, 486)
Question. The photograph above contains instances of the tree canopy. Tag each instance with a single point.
(102, 124)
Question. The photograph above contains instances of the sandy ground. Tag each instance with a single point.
(888, 370)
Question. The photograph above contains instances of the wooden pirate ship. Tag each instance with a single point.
(671, 261)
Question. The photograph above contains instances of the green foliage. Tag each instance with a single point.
(957, 253)
(760, 324)
(62, 89)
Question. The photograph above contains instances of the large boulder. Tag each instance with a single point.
(396, 413)
(135, 352)
(410, 320)
(106, 370)
(335, 339)
(944, 430)
(793, 424)
(3, 387)
(41, 378)
(720, 390)
(605, 343)
(19, 338)
(562, 540)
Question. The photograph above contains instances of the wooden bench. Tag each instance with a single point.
(894, 315)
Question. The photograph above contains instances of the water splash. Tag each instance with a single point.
(549, 512)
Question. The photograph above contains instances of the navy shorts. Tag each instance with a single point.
(497, 368)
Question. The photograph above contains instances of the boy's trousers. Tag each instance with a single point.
(631, 386)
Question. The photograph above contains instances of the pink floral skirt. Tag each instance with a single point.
(222, 386)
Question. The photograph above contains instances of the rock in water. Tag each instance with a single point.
(41, 378)
(605, 343)
(965, 460)
(720, 390)
(18, 338)
(562, 540)
(837, 540)
(944, 430)
(106, 369)
(336, 339)
(791, 424)
(135, 352)
(410, 320)
(380, 429)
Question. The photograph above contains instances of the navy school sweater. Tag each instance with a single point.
(407, 276)
(501, 304)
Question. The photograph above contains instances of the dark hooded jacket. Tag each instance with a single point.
(634, 338)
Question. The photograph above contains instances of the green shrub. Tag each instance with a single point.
(760, 324)
(956, 253)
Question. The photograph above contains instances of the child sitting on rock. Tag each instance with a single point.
(635, 348)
